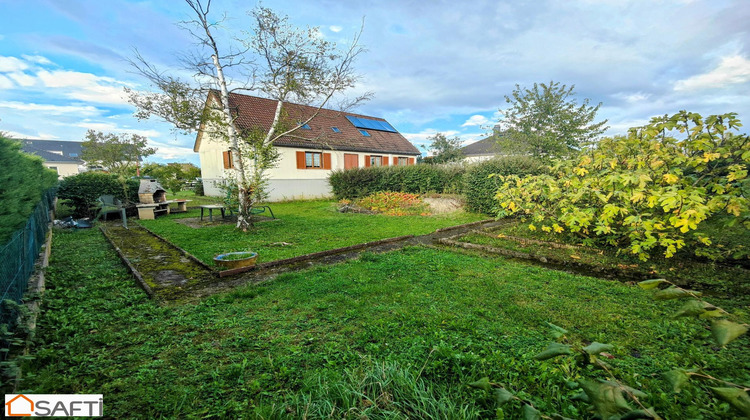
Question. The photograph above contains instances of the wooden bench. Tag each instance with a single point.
(150, 211)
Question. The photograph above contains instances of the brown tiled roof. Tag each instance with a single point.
(254, 112)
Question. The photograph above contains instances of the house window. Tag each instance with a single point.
(364, 133)
(401, 161)
(304, 126)
(376, 160)
(228, 161)
(335, 129)
(54, 168)
(313, 160)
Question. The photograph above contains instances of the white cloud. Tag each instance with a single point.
(475, 120)
(50, 109)
(336, 28)
(12, 64)
(22, 79)
(38, 59)
(170, 152)
(5, 83)
(731, 70)
(114, 128)
(85, 86)
(632, 97)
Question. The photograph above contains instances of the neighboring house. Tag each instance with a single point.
(332, 140)
(481, 150)
(61, 156)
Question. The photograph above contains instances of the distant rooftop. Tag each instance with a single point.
(53, 150)
(484, 147)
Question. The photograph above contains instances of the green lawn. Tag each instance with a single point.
(396, 335)
(305, 227)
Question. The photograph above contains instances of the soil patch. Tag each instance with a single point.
(440, 205)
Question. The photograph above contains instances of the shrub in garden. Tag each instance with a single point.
(416, 179)
(647, 191)
(22, 183)
(84, 189)
(394, 204)
(480, 188)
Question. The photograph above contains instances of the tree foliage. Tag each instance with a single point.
(647, 191)
(118, 153)
(172, 176)
(273, 59)
(445, 149)
(83, 190)
(546, 121)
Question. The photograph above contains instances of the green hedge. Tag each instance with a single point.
(84, 189)
(479, 188)
(23, 180)
(417, 179)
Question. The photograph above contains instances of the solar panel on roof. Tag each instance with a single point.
(370, 124)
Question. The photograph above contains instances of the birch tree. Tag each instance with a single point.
(273, 59)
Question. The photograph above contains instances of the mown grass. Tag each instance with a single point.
(396, 335)
(302, 227)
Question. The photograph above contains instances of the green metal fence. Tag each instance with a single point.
(18, 256)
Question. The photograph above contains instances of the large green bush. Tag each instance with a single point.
(480, 188)
(82, 190)
(653, 189)
(23, 180)
(416, 179)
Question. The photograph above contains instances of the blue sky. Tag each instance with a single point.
(438, 66)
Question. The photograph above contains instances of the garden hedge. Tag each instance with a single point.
(415, 179)
(84, 189)
(22, 184)
(480, 189)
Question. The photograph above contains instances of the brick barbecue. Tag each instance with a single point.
(150, 192)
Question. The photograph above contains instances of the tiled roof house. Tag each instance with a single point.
(332, 140)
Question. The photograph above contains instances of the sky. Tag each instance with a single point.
(433, 66)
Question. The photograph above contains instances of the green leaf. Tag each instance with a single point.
(502, 396)
(531, 413)
(607, 399)
(673, 292)
(694, 308)
(483, 383)
(640, 414)
(650, 284)
(596, 348)
(581, 396)
(736, 397)
(677, 378)
(724, 331)
(557, 332)
(554, 350)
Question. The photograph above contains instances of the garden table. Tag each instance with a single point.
(211, 208)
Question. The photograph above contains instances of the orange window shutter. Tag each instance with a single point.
(300, 160)
(227, 160)
(367, 161)
(326, 161)
(411, 161)
(385, 160)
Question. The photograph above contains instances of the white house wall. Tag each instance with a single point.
(286, 181)
(63, 168)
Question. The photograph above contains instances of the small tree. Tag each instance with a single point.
(276, 60)
(546, 121)
(445, 150)
(118, 153)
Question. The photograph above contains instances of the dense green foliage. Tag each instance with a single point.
(374, 337)
(83, 190)
(546, 121)
(648, 191)
(173, 176)
(23, 180)
(302, 227)
(480, 188)
(415, 179)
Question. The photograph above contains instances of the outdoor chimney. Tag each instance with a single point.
(151, 192)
